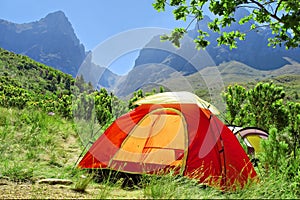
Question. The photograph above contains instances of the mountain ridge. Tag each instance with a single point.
(253, 51)
(54, 43)
(172, 80)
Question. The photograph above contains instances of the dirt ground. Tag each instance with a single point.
(12, 190)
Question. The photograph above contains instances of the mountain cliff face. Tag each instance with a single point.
(186, 59)
(51, 41)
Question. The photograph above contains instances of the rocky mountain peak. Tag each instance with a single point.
(57, 21)
(51, 41)
(56, 16)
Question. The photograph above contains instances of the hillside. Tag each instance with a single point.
(235, 72)
(31, 75)
(27, 83)
(148, 75)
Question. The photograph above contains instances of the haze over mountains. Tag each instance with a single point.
(52, 41)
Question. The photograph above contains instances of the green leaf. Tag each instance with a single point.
(214, 25)
(175, 37)
(159, 5)
(164, 37)
(281, 16)
(246, 19)
(177, 2)
(181, 12)
(201, 43)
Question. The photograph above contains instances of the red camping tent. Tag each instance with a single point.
(180, 133)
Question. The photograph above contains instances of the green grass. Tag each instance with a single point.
(34, 145)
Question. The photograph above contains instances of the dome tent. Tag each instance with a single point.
(172, 131)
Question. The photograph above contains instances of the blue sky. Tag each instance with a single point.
(94, 21)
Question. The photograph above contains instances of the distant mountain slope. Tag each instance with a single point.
(234, 72)
(253, 51)
(51, 41)
(225, 73)
(185, 60)
(97, 75)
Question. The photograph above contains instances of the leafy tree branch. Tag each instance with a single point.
(281, 16)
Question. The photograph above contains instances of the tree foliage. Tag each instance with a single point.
(261, 106)
(108, 107)
(140, 94)
(265, 106)
(25, 83)
(282, 16)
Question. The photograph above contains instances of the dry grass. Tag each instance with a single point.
(13, 190)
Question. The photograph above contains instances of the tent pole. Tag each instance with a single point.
(89, 142)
